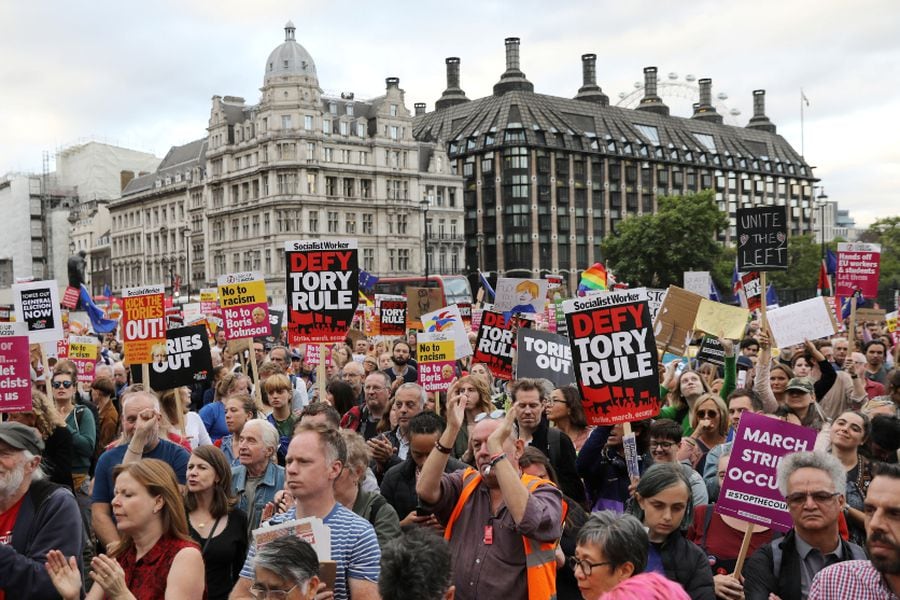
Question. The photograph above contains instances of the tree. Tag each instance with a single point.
(655, 250)
(804, 259)
(887, 233)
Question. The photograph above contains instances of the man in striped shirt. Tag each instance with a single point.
(879, 577)
(315, 458)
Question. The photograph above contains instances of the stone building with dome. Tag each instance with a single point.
(298, 164)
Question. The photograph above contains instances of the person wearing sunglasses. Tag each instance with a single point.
(503, 526)
(813, 485)
(709, 421)
(80, 422)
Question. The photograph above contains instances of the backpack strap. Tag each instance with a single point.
(553, 437)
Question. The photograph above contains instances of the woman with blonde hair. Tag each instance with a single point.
(155, 557)
(56, 461)
(709, 421)
(477, 398)
(176, 400)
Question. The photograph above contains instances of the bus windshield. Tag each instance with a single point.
(456, 287)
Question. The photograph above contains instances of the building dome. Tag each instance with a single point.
(289, 59)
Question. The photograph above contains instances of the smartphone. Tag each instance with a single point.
(421, 511)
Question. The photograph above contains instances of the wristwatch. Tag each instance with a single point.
(494, 462)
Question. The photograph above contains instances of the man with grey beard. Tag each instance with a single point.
(36, 516)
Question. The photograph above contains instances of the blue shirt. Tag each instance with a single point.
(213, 417)
(354, 548)
(269, 484)
(169, 452)
(227, 448)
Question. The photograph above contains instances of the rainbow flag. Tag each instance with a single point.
(593, 279)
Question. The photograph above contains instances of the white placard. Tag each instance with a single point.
(697, 282)
(807, 320)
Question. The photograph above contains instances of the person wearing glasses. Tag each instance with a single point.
(80, 422)
(709, 421)
(286, 568)
(665, 439)
(813, 485)
(503, 526)
(610, 549)
(364, 420)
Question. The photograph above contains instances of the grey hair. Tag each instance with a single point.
(812, 460)
(268, 433)
(142, 392)
(621, 538)
(384, 376)
(657, 478)
(290, 558)
(418, 388)
(38, 473)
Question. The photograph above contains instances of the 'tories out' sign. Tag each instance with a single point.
(245, 312)
(749, 491)
(322, 289)
(615, 356)
(143, 323)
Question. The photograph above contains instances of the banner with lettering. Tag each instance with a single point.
(437, 367)
(84, 351)
(544, 355)
(615, 356)
(391, 310)
(15, 368)
(245, 312)
(143, 324)
(322, 289)
(751, 284)
(858, 266)
(495, 344)
(762, 236)
(749, 491)
(37, 305)
(186, 361)
(448, 323)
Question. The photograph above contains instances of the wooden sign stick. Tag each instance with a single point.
(254, 369)
(742, 555)
(320, 373)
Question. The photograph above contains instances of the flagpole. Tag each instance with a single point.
(802, 144)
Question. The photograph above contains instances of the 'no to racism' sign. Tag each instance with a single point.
(762, 238)
(245, 313)
(615, 357)
(322, 289)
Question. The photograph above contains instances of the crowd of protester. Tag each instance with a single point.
(492, 489)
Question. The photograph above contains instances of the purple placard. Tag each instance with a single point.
(15, 373)
(750, 492)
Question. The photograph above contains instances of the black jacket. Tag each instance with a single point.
(685, 563)
(561, 452)
(762, 577)
(399, 484)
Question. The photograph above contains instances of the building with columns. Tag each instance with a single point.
(298, 164)
(547, 178)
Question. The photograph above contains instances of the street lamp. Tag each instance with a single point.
(187, 251)
(821, 198)
(424, 204)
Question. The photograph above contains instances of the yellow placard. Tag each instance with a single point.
(720, 319)
(240, 294)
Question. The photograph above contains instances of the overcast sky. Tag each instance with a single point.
(141, 74)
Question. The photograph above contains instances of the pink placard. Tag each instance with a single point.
(858, 267)
(15, 374)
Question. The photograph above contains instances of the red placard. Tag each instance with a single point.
(70, 298)
(858, 266)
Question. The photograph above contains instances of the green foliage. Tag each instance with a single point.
(887, 233)
(655, 250)
(804, 258)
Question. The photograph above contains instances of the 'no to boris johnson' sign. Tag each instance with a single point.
(615, 357)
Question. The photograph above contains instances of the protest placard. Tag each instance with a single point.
(70, 298)
(752, 287)
(721, 319)
(465, 311)
(143, 324)
(762, 238)
(858, 266)
(245, 312)
(448, 322)
(675, 321)
(322, 289)
(544, 355)
(806, 320)
(655, 299)
(37, 305)
(391, 312)
(15, 368)
(520, 295)
(615, 357)
(711, 351)
(420, 301)
(6, 313)
(187, 360)
(84, 352)
(276, 318)
(436, 365)
(697, 282)
(495, 344)
(749, 491)
(313, 355)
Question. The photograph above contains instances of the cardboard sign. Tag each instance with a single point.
(186, 361)
(762, 235)
(749, 491)
(495, 344)
(84, 352)
(615, 357)
(752, 286)
(245, 312)
(420, 301)
(391, 314)
(674, 323)
(70, 298)
(37, 305)
(711, 351)
(143, 323)
(697, 282)
(544, 355)
(721, 319)
(15, 368)
(322, 289)
(448, 323)
(858, 267)
(807, 320)
(871, 315)
(437, 367)
(520, 295)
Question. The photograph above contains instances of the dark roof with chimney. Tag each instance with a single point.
(179, 159)
(576, 125)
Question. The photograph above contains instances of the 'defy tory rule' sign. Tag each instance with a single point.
(615, 357)
(322, 289)
(762, 238)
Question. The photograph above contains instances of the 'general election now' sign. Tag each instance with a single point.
(615, 356)
(37, 305)
(762, 238)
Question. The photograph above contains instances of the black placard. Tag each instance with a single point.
(544, 355)
(712, 351)
(188, 360)
(762, 236)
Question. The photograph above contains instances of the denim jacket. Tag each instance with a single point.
(271, 482)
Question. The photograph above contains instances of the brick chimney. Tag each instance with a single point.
(651, 102)
(420, 108)
(704, 110)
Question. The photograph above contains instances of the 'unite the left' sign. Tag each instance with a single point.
(762, 238)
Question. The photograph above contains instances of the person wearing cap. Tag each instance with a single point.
(800, 399)
(36, 516)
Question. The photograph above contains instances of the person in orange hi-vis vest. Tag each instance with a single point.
(503, 526)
